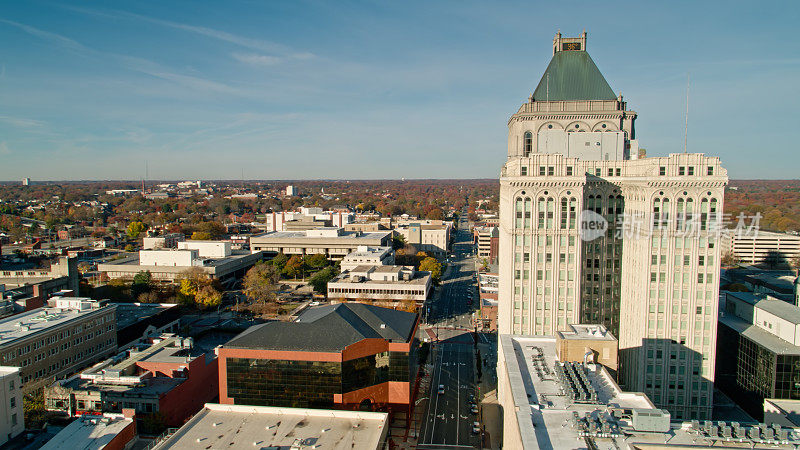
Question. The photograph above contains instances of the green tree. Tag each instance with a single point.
(279, 261)
(316, 261)
(319, 281)
(142, 282)
(430, 264)
(398, 241)
(135, 229)
(129, 248)
(261, 282)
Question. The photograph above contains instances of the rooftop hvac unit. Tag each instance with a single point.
(653, 420)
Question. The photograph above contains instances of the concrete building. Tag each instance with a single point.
(165, 376)
(335, 243)
(292, 190)
(169, 264)
(370, 256)
(305, 219)
(264, 427)
(345, 356)
(31, 287)
(207, 249)
(51, 342)
(388, 286)
(97, 432)
(12, 417)
(774, 249)
(488, 241)
(431, 236)
(758, 350)
(591, 233)
(169, 240)
(26, 181)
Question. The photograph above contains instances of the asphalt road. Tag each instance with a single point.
(448, 421)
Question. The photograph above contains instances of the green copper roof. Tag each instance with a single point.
(572, 76)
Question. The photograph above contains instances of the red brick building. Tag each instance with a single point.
(167, 377)
(344, 356)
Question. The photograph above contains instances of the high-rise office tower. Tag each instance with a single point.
(592, 231)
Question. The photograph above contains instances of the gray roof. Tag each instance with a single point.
(782, 309)
(763, 338)
(572, 75)
(770, 304)
(329, 328)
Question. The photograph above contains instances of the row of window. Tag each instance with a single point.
(686, 170)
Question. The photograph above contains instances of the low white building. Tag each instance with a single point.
(207, 249)
(333, 242)
(164, 241)
(367, 255)
(12, 418)
(388, 284)
(169, 264)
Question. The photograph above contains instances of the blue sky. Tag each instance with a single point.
(343, 89)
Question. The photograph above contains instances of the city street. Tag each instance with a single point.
(448, 420)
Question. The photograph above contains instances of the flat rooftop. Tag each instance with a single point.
(261, 427)
(25, 324)
(131, 313)
(281, 235)
(88, 433)
(546, 417)
(208, 262)
(754, 333)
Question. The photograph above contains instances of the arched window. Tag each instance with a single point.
(550, 212)
(518, 213)
(528, 143)
(563, 213)
(528, 209)
(540, 213)
(703, 214)
(680, 214)
(713, 214)
(665, 212)
(657, 213)
(573, 212)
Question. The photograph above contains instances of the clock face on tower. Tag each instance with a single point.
(570, 46)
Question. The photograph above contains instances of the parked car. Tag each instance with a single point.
(476, 427)
(441, 389)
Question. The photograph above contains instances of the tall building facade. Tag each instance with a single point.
(591, 231)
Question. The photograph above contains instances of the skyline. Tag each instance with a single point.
(369, 91)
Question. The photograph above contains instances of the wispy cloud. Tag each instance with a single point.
(137, 64)
(257, 60)
(21, 122)
(224, 36)
(56, 39)
(4, 148)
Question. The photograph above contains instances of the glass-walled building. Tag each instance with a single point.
(348, 355)
(758, 353)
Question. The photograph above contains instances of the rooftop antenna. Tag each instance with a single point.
(146, 173)
(686, 132)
